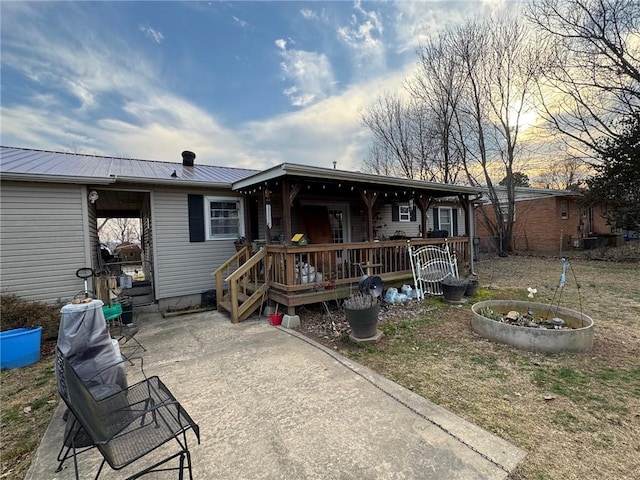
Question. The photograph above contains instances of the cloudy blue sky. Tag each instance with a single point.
(248, 84)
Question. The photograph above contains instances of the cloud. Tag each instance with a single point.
(308, 13)
(240, 23)
(364, 36)
(328, 130)
(309, 72)
(151, 33)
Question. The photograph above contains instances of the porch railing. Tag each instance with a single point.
(301, 268)
(297, 275)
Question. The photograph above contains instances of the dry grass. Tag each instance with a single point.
(577, 416)
(588, 429)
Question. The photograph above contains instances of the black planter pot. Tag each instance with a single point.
(454, 291)
(472, 289)
(363, 322)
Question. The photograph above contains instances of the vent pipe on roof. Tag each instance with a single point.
(188, 158)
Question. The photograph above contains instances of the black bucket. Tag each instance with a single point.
(127, 310)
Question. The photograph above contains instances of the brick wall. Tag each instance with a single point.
(540, 226)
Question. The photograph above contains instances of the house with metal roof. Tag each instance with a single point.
(193, 215)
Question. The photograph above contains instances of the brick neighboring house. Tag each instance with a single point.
(549, 220)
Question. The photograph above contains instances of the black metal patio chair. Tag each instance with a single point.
(129, 424)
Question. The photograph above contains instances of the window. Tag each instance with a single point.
(444, 220)
(504, 210)
(564, 209)
(405, 213)
(223, 218)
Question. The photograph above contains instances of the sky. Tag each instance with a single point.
(244, 84)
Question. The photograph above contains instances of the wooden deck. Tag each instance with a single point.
(299, 275)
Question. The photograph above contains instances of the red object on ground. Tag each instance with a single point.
(275, 318)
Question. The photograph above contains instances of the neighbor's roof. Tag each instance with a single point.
(39, 165)
(309, 172)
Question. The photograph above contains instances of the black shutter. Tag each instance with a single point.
(196, 218)
(413, 214)
(454, 215)
(395, 213)
(436, 221)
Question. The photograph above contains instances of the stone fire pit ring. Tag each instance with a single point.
(577, 339)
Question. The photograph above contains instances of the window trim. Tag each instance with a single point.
(440, 210)
(504, 212)
(207, 217)
(402, 216)
(564, 209)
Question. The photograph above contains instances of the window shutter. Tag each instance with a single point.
(454, 214)
(196, 218)
(436, 219)
(413, 214)
(395, 213)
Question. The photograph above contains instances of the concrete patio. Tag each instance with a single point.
(271, 404)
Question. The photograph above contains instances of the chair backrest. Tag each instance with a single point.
(79, 400)
(430, 265)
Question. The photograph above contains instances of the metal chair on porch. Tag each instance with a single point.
(129, 424)
(430, 265)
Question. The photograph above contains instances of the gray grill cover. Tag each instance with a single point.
(84, 339)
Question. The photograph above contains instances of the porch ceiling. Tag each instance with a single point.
(400, 188)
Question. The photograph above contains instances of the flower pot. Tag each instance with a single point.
(363, 322)
(472, 289)
(453, 291)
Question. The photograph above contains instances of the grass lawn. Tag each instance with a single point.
(577, 416)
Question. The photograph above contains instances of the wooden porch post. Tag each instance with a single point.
(286, 210)
(288, 196)
(466, 205)
(369, 199)
(423, 204)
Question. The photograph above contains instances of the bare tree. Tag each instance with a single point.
(437, 87)
(119, 230)
(501, 62)
(569, 172)
(404, 140)
(389, 121)
(593, 78)
(474, 85)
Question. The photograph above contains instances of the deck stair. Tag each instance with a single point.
(246, 285)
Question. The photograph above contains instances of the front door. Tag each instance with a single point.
(339, 220)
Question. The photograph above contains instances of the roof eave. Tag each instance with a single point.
(44, 178)
(174, 182)
(345, 175)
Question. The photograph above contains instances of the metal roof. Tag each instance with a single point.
(295, 170)
(40, 165)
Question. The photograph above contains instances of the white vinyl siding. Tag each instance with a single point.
(183, 267)
(382, 221)
(42, 240)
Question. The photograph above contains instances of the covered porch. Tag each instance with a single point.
(343, 217)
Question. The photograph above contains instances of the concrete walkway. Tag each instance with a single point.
(272, 404)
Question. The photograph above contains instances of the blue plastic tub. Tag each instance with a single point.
(20, 347)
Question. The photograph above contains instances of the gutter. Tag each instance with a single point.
(111, 180)
(30, 177)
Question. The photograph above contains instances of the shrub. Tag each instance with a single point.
(18, 312)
